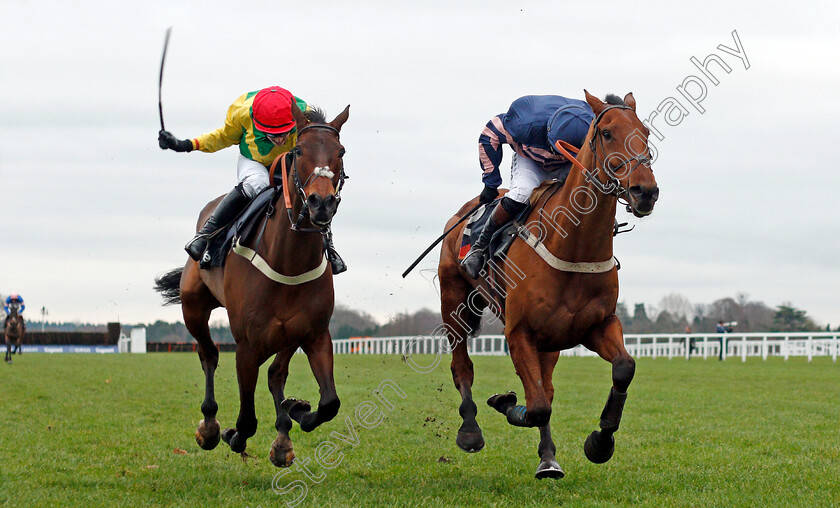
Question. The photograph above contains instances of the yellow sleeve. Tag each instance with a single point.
(226, 136)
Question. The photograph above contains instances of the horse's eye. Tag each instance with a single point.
(606, 134)
(342, 152)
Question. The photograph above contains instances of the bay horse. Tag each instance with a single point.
(13, 332)
(269, 317)
(558, 288)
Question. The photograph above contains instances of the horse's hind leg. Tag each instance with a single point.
(548, 468)
(247, 372)
(282, 454)
(196, 304)
(320, 355)
(460, 322)
(608, 341)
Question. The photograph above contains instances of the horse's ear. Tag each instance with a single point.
(594, 102)
(341, 118)
(300, 118)
(630, 100)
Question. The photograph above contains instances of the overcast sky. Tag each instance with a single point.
(94, 210)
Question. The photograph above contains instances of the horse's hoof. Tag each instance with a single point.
(502, 401)
(549, 469)
(292, 404)
(281, 453)
(227, 435)
(470, 442)
(597, 448)
(207, 434)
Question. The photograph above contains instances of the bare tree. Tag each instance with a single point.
(677, 306)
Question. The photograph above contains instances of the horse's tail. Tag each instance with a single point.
(169, 286)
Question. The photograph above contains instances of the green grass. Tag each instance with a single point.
(90, 430)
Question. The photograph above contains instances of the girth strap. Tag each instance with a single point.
(263, 266)
(559, 264)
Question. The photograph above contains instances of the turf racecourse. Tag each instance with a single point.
(91, 430)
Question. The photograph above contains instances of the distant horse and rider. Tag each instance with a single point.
(559, 286)
(278, 290)
(13, 332)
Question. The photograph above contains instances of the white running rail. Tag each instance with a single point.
(659, 345)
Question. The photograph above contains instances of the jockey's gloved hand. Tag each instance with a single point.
(167, 140)
(488, 194)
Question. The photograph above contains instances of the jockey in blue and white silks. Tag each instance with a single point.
(531, 127)
(14, 299)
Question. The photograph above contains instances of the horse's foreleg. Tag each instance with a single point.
(320, 355)
(608, 341)
(247, 371)
(282, 453)
(526, 360)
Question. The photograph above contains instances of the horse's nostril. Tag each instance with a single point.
(330, 202)
(314, 201)
(638, 192)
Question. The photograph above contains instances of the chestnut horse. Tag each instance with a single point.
(13, 332)
(558, 290)
(268, 317)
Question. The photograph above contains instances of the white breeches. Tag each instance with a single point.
(252, 175)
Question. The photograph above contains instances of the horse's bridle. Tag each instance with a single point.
(300, 186)
(613, 181)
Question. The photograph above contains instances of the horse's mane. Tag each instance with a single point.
(314, 114)
(615, 100)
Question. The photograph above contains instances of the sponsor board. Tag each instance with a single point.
(39, 348)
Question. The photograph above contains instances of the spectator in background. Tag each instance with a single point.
(721, 330)
(691, 346)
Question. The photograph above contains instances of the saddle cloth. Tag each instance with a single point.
(503, 238)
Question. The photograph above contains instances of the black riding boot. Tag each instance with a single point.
(474, 262)
(227, 210)
(335, 260)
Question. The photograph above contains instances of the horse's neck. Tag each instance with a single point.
(581, 217)
(291, 251)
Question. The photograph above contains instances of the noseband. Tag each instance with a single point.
(300, 186)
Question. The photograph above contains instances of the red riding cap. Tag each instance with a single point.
(272, 110)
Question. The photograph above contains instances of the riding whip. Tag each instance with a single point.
(432, 246)
(160, 81)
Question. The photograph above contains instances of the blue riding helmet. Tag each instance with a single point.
(570, 123)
